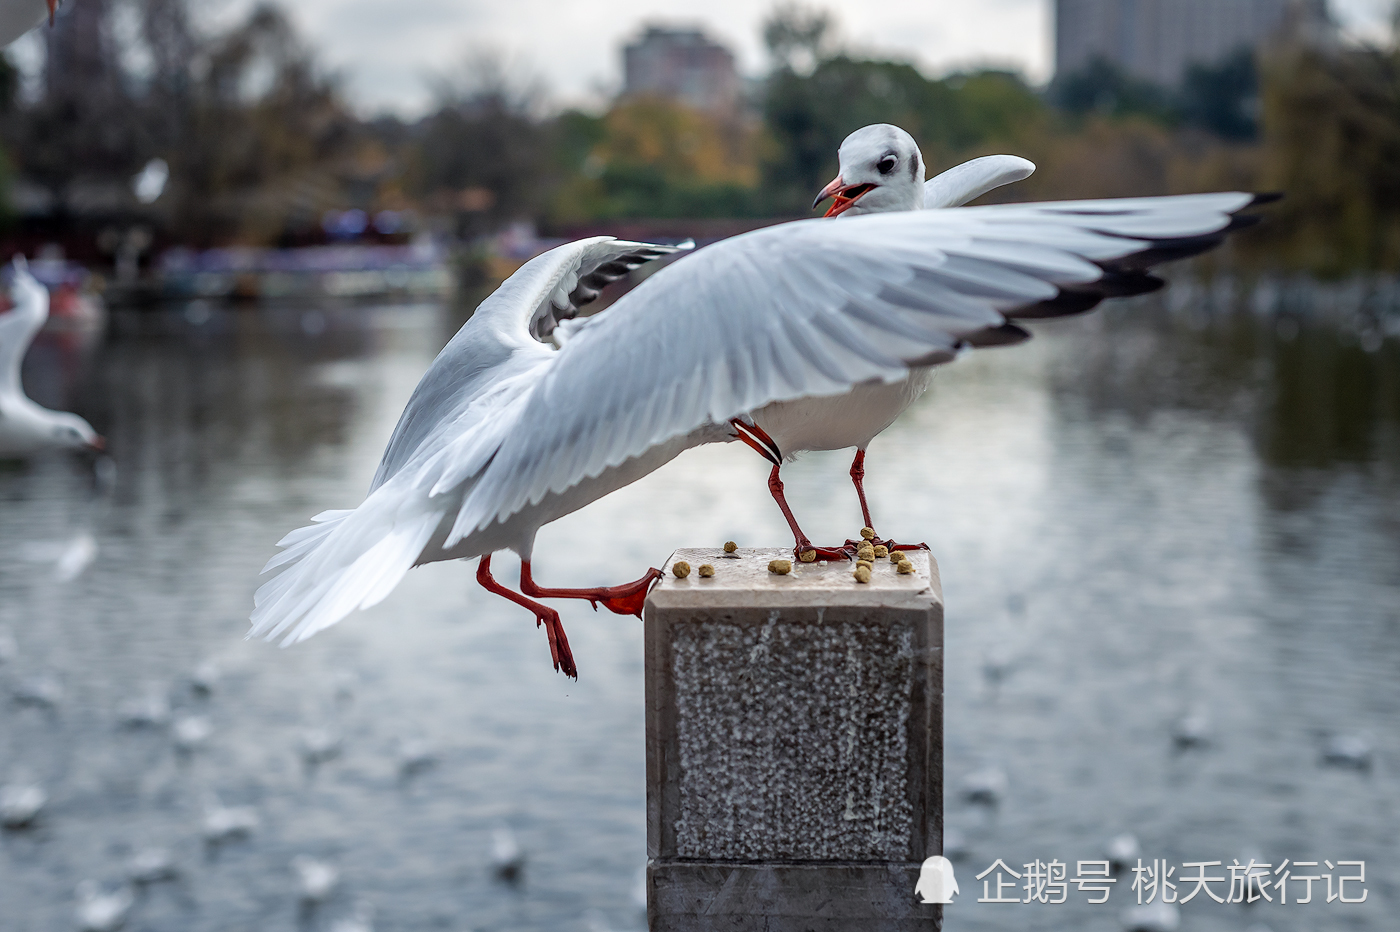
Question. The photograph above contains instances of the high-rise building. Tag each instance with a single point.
(1158, 39)
(683, 64)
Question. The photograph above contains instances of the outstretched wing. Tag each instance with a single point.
(970, 180)
(469, 400)
(524, 311)
(815, 307)
(19, 324)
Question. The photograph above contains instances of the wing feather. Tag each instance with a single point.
(814, 308)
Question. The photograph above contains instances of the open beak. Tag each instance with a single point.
(98, 444)
(843, 196)
(53, 8)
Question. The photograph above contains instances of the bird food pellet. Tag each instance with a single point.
(905, 568)
(681, 569)
(897, 556)
(780, 567)
(865, 563)
(730, 546)
(808, 556)
(881, 551)
(706, 570)
(862, 574)
(868, 533)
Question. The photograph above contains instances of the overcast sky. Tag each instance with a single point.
(388, 50)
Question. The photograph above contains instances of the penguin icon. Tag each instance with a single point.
(936, 881)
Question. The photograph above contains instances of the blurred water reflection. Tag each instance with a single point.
(1143, 515)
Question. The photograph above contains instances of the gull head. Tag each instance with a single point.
(881, 169)
(70, 432)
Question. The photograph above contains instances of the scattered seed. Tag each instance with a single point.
(897, 556)
(681, 569)
(862, 573)
(868, 533)
(780, 567)
(808, 556)
(905, 568)
(881, 551)
(706, 570)
(730, 546)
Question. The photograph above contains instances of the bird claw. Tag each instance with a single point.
(559, 650)
(892, 546)
(823, 554)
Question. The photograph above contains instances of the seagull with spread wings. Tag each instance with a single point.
(27, 429)
(809, 335)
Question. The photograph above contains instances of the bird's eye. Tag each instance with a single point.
(887, 164)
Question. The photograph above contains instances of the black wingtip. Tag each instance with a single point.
(1006, 335)
(1264, 197)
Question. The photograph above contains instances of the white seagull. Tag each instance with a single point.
(809, 335)
(26, 428)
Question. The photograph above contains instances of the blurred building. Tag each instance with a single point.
(682, 64)
(1158, 39)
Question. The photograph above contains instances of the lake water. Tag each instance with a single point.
(1143, 515)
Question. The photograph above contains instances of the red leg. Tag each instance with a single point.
(544, 615)
(757, 438)
(803, 545)
(626, 599)
(858, 479)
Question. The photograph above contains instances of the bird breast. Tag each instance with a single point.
(835, 422)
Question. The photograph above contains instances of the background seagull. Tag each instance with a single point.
(805, 335)
(26, 428)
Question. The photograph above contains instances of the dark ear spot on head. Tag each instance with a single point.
(914, 167)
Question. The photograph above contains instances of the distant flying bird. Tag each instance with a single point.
(810, 335)
(19, 16)
(26, 429)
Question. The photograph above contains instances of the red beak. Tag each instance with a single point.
(99, 443)
(843, 195)
(53, 7)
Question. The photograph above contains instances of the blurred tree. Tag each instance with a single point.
(799, 38)
(1104, 89)
(263, 136)
(483, 155)
(1332, 143)
(650, 157)
(1222, 98)
(85, 130)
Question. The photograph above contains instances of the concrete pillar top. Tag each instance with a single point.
(742, 580)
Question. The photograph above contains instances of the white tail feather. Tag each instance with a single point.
(348, 560)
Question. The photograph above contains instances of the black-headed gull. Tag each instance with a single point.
(26, 429)
(810, 335)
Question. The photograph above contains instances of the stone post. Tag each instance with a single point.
(794, 745)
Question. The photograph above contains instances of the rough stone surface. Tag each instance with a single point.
(794, 745)
(793, 740)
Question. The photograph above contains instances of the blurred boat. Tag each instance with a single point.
(417, 270)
